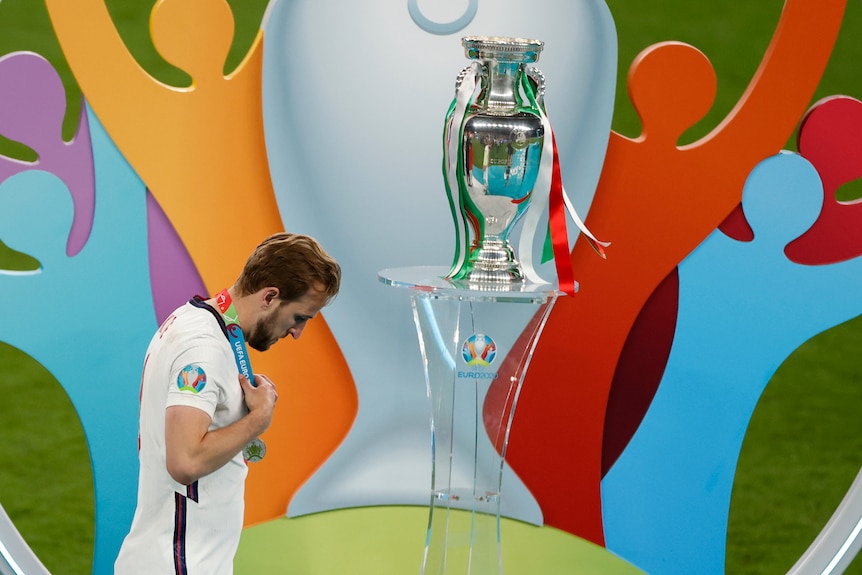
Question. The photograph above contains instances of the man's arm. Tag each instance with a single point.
(192, 451)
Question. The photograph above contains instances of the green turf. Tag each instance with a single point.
(801, 453)
(46, 483)
(803, 446)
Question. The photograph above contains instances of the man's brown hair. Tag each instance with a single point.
(293, 263)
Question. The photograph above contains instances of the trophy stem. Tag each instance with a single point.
(493, 261)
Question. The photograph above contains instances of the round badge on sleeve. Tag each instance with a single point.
(254, 451)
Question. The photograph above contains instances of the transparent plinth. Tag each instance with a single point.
(476, 343)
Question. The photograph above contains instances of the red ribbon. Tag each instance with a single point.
(557, 223)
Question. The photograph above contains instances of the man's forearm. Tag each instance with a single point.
(193, 452)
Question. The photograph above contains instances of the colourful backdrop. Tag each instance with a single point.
(726, 254)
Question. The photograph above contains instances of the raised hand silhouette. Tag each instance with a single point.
(830, 137)
(32, 106)
(86, 318)
(744, 307)
(200, 150)
(655, 201)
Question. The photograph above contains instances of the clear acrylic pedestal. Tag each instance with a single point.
(476, 344)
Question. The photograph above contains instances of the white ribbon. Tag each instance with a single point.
(540, 202)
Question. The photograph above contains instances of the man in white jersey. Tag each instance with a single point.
(198, 412)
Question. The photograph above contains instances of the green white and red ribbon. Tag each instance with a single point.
(452, 135)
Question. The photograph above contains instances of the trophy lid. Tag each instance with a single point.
(502, 48)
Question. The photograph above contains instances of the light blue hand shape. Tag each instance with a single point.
(87, 319)
(743, 309)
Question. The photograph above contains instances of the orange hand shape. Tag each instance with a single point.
(201, 152)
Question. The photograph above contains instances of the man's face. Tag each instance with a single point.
(285, 318)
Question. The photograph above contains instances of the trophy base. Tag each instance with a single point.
(494, 277)
(493, 262)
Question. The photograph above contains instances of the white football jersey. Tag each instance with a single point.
(186, 529)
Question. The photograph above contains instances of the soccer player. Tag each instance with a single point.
(200, 414)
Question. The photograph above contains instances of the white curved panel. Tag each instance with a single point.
(355, 95)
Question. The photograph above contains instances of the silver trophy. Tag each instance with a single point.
(500, 141)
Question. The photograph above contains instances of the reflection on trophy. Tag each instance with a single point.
(500, 142)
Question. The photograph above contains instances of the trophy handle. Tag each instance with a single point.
(465, 72)
(538, 79)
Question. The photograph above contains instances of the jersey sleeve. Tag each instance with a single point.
(199, 375)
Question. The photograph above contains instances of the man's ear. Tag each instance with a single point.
(270, 294)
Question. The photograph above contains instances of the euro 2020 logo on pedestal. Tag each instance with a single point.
(479, 349)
